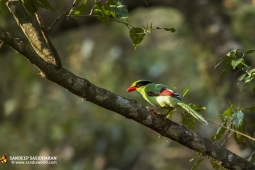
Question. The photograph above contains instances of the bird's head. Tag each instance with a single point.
(138, 84)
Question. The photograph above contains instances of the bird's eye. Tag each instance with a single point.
(138, 85)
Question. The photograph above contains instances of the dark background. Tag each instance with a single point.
(37, 117)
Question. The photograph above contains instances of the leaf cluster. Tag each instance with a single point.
(232, 60)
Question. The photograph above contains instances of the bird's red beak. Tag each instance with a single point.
(131, 89)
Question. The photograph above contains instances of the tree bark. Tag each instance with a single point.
(125, 107)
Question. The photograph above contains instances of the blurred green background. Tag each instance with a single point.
(37, 117)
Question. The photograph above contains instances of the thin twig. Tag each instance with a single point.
(91, 11)
(113, 19)
(232, 130)
(37, 16)
(227, 137)
(61, 16)
(1, 43)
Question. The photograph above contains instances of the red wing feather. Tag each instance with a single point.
(168, 92)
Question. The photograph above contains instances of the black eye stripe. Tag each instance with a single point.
(142, 83)
(138, 85)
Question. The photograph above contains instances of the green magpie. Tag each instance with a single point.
(162, 96)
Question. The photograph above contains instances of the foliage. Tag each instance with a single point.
(59, 125)
(235, 117)
(115, 10)
(233, 61)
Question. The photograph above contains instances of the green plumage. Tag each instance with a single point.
(153, 94)
(157, 101)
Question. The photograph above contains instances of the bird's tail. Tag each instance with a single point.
(192, 112)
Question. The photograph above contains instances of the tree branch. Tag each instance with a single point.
(36, 39)
(129, 109)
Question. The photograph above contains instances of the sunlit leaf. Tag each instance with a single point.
(195, 157)
(184, 92)
(251, 158)
(237, 119)
(236, 61)
(220, 132)
(227, 113)
(233, 53)
(251, 71)
(119, 9)
(214, 165)
(241, 77)
(99, 10)
(81, 9)
(196, 164)
(137, 35)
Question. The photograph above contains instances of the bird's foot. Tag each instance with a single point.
(152, 111)
(167, 113)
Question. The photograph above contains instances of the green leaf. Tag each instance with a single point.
(245, 69)
(251, 158)
(119, 9)
(250, 72)
(239, 138)
(28, 6)
(214, 165)
(252, 108)
(241, 77)
(228, 67)
(38, 3)
(236, 61)
(2, 3)
(233, 53)
(197, 108)
(44, 4)
(219, 62)
(99, 10)
(249, 52)
(137, 35)
(196, 164)
(170, 115)
(151, 26)
(81, 9)
(168, 29)
(188, 120)
(237, 119)
(227, 113)
(220, 132)
(184, 92)
(248, 79)
(195, 157)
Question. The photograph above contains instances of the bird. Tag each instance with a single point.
(161, 96)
